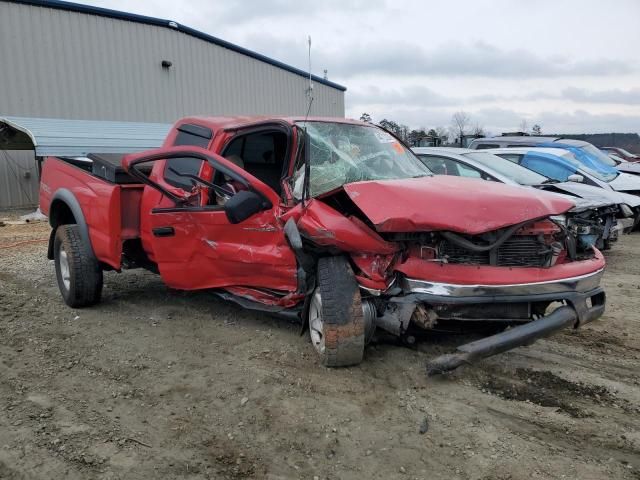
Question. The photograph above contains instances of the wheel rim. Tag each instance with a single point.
(63, 261)
(316, 324)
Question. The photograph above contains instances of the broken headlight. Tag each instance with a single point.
(559, 219)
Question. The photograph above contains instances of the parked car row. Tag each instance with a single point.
(338, 225)
(599, 215)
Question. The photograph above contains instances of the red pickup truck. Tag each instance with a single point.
(333, 222)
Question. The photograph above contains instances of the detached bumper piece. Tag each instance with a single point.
(581, 308)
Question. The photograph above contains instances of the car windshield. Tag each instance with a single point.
(599, 154)
(344, 153)
(511, 170)
(626, 152)
(605, 176)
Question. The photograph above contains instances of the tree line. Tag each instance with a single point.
(462, 125)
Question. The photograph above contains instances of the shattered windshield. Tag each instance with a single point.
(343, 153)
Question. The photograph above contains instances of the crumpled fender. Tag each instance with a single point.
(327, 227)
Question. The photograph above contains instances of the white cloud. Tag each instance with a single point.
(568, 65)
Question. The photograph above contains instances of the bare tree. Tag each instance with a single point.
(441, 132)
(459, 123)
(478, 130)
(524, 126)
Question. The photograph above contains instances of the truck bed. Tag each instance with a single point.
(107, 166)
(109, 199)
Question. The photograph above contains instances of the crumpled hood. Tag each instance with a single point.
(450, 203)
(584, 196)
(625, 182)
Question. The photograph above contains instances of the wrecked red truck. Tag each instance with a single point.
(333, 222)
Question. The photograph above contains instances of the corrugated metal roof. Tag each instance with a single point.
(160, 22)
(52, 136)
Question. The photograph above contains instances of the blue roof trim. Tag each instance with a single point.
(159, 22)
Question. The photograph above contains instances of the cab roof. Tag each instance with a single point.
(236, 122)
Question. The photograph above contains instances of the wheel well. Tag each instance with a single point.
(59, 214)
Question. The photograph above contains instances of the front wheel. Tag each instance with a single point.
(78, 272)
(336, 321)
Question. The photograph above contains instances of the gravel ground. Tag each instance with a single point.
(154, 383)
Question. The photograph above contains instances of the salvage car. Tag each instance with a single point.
(332, 222)
(587, 154)
(625, 155)
(562, 165)
(596, 220)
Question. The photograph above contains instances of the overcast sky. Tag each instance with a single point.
(570, 66)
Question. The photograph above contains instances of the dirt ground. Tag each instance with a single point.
(154, 383)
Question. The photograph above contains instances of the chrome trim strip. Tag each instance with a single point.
(582, 283)
(371, 291)
(376, 292)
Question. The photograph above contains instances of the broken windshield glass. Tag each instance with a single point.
(342, 153)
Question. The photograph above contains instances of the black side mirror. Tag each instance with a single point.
(243, 205)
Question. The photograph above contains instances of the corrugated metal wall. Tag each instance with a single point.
(18, 179)
(63, 64)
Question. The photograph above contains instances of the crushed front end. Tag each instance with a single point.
(596, 227)
(510, 277)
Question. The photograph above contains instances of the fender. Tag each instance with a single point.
(68, 198)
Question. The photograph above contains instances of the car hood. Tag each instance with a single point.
(625, 182)
(450, 203)
(629, 167)
(584, 196)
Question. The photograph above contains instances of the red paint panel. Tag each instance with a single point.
(328, 227)
(487, 275)
(100, 203)
(209, 252)
(450, 203)
(260, 296)
(130, 197)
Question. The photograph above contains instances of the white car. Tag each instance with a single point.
(561, 165)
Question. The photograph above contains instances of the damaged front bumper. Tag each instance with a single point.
(560, 318)
(425, 304)
(434, 292)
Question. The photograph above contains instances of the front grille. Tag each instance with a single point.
(517, 251)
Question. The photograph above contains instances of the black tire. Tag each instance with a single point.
(81, 283)
(339, 338)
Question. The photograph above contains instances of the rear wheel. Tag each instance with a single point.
(78, 272)
(336, 321)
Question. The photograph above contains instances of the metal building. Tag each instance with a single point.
(70, 61)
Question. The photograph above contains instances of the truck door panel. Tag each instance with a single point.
(205, 250)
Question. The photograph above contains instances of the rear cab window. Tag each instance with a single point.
(188, 135)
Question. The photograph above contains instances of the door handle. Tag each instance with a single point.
(163, 232)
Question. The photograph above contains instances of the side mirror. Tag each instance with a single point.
(243, 205)
(575, 178)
